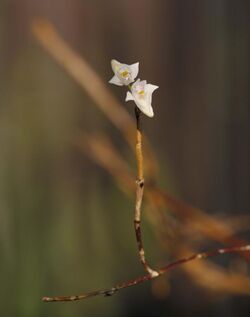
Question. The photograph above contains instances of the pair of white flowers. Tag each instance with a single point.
(140, 92)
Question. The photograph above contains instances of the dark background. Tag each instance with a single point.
(64, 225)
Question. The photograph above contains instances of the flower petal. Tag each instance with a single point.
(134, 70)
(129, 96)
(116, 81)
(152, 88)
(115, 65)
(145, 107)
(149, 90)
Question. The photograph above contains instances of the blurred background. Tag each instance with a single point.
(65, 225)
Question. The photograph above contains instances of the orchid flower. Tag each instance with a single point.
(124, 74)
(141, 94)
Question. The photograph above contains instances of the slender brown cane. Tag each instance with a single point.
(139, 195)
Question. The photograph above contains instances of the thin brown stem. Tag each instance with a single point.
(139, 196)
(147, 277)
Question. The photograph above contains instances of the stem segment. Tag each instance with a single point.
(139, 196)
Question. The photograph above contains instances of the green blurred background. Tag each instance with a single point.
(64, 225)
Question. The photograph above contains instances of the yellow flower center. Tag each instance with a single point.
(141, 92)
(124, 74)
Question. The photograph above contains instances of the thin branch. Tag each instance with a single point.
(213, 277)
(139, 196)
(147, 277)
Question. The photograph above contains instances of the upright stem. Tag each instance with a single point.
(139, 155)
(139, 196)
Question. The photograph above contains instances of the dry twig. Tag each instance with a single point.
(144, 278)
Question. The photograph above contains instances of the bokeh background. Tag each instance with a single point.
(65, 227)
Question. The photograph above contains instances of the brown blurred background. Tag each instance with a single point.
(64, 225)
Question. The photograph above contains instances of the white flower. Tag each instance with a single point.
(141, 94)
(124, 74)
